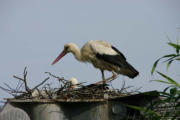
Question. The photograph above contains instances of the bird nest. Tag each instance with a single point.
(65, 90)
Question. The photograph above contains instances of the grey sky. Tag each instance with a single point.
(32, 34)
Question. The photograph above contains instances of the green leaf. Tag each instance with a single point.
(144, 110)
(156, 62)
(162, 81)
(154, 66)
(164, 91)
(171, 81)
(164, 94)
(176, 46)
(173, 91)
(172, 58)
(168, 64)
(170, 55)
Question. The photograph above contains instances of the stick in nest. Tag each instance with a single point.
(40, 83)
(27, 92)
(59, 79)
(24, 79)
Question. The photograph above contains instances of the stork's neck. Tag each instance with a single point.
(77, 54)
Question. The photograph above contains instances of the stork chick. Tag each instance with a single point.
(73, 82)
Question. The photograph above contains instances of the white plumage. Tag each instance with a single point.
(102, 55)
(37, 93)
(73, 82)
(101, 47)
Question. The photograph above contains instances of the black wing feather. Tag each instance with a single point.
(120, 61)
(118, 52)
(113, 59)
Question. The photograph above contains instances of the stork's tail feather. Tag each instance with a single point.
(130, 71)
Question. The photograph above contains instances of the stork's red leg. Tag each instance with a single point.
(108, 79)
(103, 78)
(112, 78)
(102, 72)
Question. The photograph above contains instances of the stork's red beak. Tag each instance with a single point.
(59, 57)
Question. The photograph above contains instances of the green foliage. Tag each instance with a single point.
(170, 95)
(176, 46)
(167, 80)
(169, 58)
(148, 112)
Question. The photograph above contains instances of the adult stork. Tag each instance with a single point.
(103, 56)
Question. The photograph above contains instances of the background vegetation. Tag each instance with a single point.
(170, 97)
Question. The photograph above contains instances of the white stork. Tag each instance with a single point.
(103, 56)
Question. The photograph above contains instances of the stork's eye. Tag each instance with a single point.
(66, 48)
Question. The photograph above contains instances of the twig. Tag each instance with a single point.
(18, 78)
(62, 88)
(8, 87)
(24, 80)
(60, 79)
(6, 90)
(19, 86)
(41, 83)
